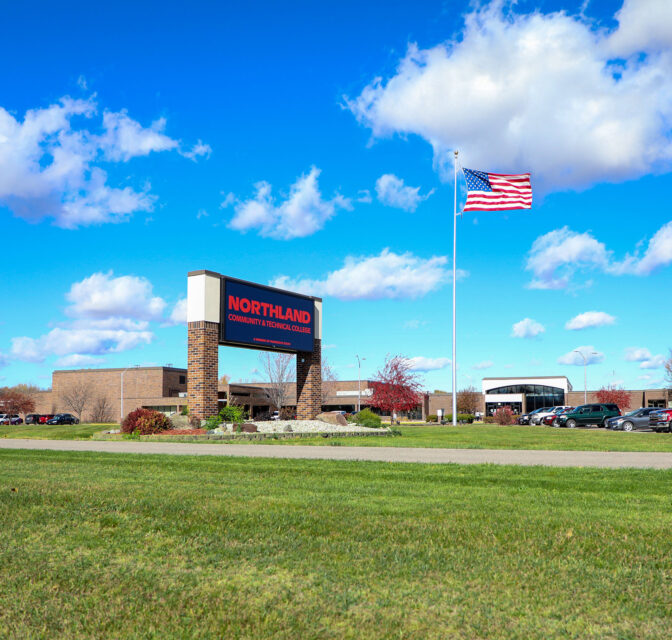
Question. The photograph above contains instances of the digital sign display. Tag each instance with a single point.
(264, 318)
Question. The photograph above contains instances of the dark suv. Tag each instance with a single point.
(63, 418)
(586, 414)
(33, 418)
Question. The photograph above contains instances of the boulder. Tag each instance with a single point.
(333, 417)
(180, 422)
(248, 427)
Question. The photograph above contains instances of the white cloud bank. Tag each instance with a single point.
(590, 319)
(551, 93)
(527, 328)
(392, 192)
(420, 363)
(49, 163)
(108, 315)
(388, 275)
(592, 356)
(300, 214)
(556, 256)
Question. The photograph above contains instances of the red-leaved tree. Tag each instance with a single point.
(396, 387)
(14, 402)
(614, 395)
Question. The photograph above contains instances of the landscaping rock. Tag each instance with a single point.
(179, 422)
(248, 427)
(333, 418)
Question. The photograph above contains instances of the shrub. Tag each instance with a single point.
(286, 413)
(503, 416)
(144, 422)
(212, 423)
(489, 419)
(232, 413)
(185, 411)
(431, 418)
(367, 418)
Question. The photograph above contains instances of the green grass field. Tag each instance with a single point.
(121, 546)
(462, 437)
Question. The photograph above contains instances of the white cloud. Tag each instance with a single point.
(49, 163)
(644, 25)
(124, 138)
(392, 192)
(556, 255)
(179, 313)
(658, 254)
(527, 328)
(414, 324)
(198, 150)
(70, 342)
(486, 364)
(543, 92)
(301, 214)
(77, 360)
(654, 362)
(590, 319)
(103, 296)
(388, 275)
(592, 356)
(637, 354)
(420, 363)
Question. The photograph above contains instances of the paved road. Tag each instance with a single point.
(613, 460)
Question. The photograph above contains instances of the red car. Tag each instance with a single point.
(551, 421)
(46, 416)
(661, 420)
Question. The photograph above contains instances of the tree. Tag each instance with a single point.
(77, 397)
(396, 387)
(13, 402)
(614, 395)
(101, 410)
(468, 400)
(280, 370)
(668, 374)
(329, 378)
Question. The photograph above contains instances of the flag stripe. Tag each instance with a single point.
(497, 191)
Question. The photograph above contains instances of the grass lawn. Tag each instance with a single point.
(52, 432)
(447, 437)
(511, 437)
(101, 545)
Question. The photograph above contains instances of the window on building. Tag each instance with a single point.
(183, 379)
(658, 404)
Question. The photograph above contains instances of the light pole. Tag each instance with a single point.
(585, 374)
(359, 383)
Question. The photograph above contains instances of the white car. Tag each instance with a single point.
(537, 418)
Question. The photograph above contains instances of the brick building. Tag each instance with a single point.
(160, 388)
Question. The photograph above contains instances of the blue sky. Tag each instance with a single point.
(308, 145)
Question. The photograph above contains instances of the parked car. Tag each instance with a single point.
(661, 420)
(525, 417)
(7, 419)
(46, 417)
(637, 419)
(63, 418)
(552, 420)
(538, 418)
(586, 414)
(33, 418)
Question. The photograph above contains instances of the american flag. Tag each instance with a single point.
(497, 191)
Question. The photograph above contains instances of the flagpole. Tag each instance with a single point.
(454, 363)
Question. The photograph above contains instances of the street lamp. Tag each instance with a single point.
(585, 374)
(359, 383)
(135, 366)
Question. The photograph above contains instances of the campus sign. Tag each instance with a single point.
(260, 317)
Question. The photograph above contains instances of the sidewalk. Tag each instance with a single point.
(614, 460)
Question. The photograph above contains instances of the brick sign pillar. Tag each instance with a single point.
(203, 293)
(309, 382)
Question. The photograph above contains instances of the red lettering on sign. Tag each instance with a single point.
(233, 303)
(256, 307)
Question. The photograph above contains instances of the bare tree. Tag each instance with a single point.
(13, 402)
(329, 378)
(77, 397)
(101, 410)
(280, 370)
(468, 400)
(668, 375)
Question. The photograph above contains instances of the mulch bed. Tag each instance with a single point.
(184, 432)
